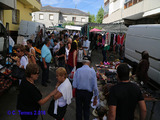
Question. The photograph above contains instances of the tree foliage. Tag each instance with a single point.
(99, 16)
(91, 18)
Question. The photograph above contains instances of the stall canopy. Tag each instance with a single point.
(58, 28)
(71, 27)
(110, 27)
(95, 30)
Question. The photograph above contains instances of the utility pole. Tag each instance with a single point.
(75, 6)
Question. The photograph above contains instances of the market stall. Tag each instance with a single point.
(107, 77)
(6, 79)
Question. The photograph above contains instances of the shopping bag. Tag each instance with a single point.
(60, 110)
(71, 75)
(18, 72)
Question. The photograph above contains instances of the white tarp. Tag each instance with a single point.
(70, 27)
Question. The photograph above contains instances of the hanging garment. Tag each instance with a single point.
(120, 40)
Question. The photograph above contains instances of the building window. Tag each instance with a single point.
(50, 16)
(65, 18)
(106, 10)
(129, 3)
(83, 20)
(41, 16)
(15, 16)
(73, 19)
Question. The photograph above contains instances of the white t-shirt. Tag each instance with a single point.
(24, 61)
(66, 89)
(31, 49)
(67, 53)
(80, 55)
(86, 44)
(56, 47)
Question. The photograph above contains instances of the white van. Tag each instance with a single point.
(144, 37)
(29, 28)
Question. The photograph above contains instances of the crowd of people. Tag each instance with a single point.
(66, 52)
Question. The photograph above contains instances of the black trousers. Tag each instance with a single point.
(83, 100)
(45, 73)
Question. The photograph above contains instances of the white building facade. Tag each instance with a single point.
(52, 16)
(131, 11)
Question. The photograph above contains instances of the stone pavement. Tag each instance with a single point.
(8, 99)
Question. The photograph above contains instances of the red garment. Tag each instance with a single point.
(120, 40)
(70, 59)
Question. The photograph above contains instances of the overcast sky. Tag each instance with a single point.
(91, 6)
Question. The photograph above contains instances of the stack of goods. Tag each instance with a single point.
(107, 71)
(6, 79)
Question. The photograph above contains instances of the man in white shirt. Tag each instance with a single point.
(86, 45)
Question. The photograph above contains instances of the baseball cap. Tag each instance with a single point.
(85, 59)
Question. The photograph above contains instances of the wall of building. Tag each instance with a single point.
(35, 5)
(25, 14)
(58, 18)
(114, 6)
(119, 10)
(9, 3)
(115, 16)
(115, 11)
(151, 4)
(78, 18)
(133, 10)
(46, 20)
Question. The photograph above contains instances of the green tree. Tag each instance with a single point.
(91, 18)
(99, 16)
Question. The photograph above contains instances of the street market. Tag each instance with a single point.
(64, 63)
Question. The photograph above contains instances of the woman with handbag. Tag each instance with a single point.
(63, 95)
(30, 98)
(72, 57)
(21, 63)
(23, 59)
